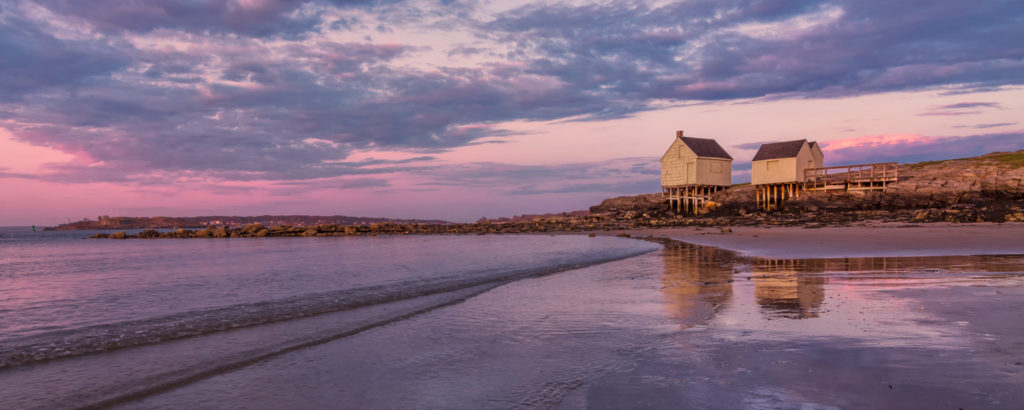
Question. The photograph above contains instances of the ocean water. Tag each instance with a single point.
(683, 327)
(531, 321)
(62, 296)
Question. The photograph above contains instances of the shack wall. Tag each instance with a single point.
(819, 157)
(714, 171)
(774, 171)
(678, 165)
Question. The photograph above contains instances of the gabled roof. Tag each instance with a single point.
(705, 147)
(777, 150)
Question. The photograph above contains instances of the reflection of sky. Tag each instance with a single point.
(856, 299)
(468, 109)
(850, 312)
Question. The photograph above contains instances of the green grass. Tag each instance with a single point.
(927, 163)
(736, 185)
(1013, 159)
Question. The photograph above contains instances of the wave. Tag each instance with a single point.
(109, 337)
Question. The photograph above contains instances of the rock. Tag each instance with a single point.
(253, 228)
(221, 232)
(148, 234)
(262, 233)
(725, 230)
(310, 232)
(119, 235)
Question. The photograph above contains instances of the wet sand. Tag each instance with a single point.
(683, 327)
(869, 240)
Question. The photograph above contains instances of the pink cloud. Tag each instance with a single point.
(906, 148)
(874, 141)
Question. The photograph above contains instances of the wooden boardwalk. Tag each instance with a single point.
(852, 177)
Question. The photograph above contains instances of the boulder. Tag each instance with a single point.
(253, 228)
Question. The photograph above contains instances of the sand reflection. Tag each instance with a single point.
(697, 281)
(790, 288)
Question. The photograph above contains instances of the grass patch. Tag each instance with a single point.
(736, 185)
(1013, 159)
(927, 163)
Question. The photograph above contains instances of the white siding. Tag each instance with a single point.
(782, 170)
(680, 166)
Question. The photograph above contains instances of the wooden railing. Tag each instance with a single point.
(865, 176)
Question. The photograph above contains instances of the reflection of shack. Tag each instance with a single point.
(789, 288)
(697, 281)
(777, 170)
(691, 170)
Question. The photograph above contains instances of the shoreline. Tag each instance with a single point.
(869, 238)
(865, 241)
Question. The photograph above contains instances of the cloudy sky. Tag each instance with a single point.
(457, 109)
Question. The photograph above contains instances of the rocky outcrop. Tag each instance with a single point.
(986, 188)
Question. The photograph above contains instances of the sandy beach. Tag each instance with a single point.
(869, 240)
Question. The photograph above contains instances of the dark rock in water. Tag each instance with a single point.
(148, 234)
(253, 228)
(118, 235)
(221, 232)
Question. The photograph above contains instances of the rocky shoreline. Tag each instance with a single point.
(589, 223)
(989, 188)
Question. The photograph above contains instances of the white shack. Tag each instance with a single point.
(785, 162)
(692, 170)
(695, 162)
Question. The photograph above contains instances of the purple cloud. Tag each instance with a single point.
(256, 83)
(256, 18)
(963, 105)
(983, 126)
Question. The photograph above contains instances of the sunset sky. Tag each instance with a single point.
(457, 109)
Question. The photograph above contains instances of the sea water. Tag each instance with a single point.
(683, 326)
(64, 297)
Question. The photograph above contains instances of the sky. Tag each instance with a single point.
(461, 109)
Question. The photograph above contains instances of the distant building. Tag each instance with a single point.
(695, 162)
(785, 162)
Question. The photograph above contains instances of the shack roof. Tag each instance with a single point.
(777, 150)
(705, 147)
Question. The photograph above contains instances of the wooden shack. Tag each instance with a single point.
(692, 169)
(778, 170)
(785, 162)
